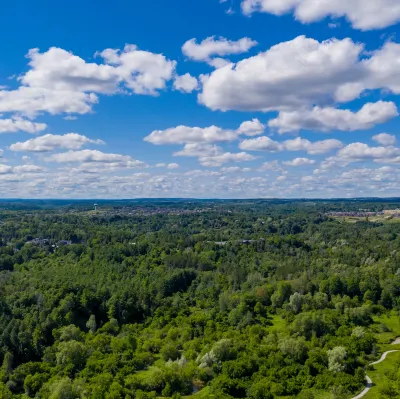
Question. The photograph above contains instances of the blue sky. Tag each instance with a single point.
(231, 99)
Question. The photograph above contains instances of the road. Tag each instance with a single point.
(368, 379)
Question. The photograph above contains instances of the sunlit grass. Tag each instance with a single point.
(379, 375)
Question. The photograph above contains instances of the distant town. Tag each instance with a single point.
(390, 214)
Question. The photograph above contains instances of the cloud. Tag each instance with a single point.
(28, 169)
(328, 119)
(212, 155)
(271, 166)
(360, 151)
(266, 144)
(98, 180)
(186, 83)
(142, 72)
(252, 128)
(385, 139)
(299, 162)
(261, 144)
(234, 169)
(70, 118)
(290, 74)
(61, 82)
(218, 62)
(302, 73)
(102, 167)
(51, 142)
(202, 173)
(19, 124)
(212, 46)
(5, 169)
(212, 134)
(313, 148)
(198, 150)
(362, 14)
(382, 68)
(173, 166)
(30, 101)
(95, 156)
(185, 134)
(227, 157)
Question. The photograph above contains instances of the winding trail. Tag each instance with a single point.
(368, 379)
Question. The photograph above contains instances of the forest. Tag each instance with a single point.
(197, 299)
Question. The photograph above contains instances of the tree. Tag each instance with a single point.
(336, 358)
(91, 324)
(295, 348)
(6, 368)
(63, 389)
(296, 302)
(358, 332)
(71, 353)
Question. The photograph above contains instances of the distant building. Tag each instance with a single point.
(95, 207)
(64, 242)
(39, 241)
(392, 212)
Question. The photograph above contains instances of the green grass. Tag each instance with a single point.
(278, 324)
(373, 219)
(205, 394)
(392, 321)
(322, 395)
(379, 375)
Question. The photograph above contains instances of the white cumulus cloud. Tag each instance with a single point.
(212, 134)
(328, 119)
(51, 142)
(173, 166)
(252, 128)
(17, 124)
(212, 46)
(299, 162)
(5, 169)
(290, 74)
(362, 14)
(186, 83)
(95, 156)
(61, 82)
(28, 169)
(212, 155)
(360, 151)
(185, 134)
(298, 144)
(385, 139)
(303, 73)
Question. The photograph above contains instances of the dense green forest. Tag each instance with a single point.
(202, 299)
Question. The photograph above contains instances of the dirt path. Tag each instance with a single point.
(396, 342)
(369, 381)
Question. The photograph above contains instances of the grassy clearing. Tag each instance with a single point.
(380, 374)
(322, 395)
(205, 394)
(278, 324)
(374, 219)
(392, 322)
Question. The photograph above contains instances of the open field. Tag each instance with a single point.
(372, 219)
(382, 375)
(392, 322)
